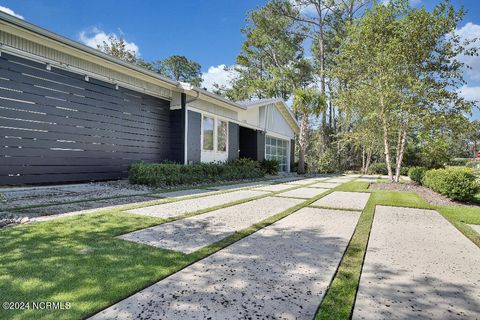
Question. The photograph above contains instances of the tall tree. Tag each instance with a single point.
(402, 65)
(117, 47)
(306, 102)
(180, 68)
(271, 62)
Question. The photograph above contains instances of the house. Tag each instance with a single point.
(72, 113)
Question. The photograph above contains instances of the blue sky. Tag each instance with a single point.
(205, 31)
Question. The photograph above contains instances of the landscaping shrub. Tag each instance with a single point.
(455, 183)
(295, 167)
(327, 163)
(160, 174)
(270, 166)
(378, 168)
(416, 174)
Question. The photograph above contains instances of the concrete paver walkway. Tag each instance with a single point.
(190, 234)
(177, 208)
(305, 193)
(418, 266)
(279, 272)
(344, 200)
(275, 187)
(325, 185)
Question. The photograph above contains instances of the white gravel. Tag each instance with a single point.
(344, 200)
(418, 266)
(177, 208)
(305, 193)
(279, 272)
(190, 234)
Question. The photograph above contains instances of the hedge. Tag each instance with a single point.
(416, 174)
(455, 183)
(168, 174)
(381, 168)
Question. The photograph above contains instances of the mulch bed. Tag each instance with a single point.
(429, 195)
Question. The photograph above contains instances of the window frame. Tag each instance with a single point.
(216, 125)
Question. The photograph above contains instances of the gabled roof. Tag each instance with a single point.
(281, 106)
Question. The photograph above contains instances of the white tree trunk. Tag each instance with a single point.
(302, 142)
(400, 152)
(386, 146)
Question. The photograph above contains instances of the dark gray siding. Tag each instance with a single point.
(194, 142)
(260, 145)
(56, 127)
(177, 129)
(233, 141)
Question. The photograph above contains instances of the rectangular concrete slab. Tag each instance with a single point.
(301, 182)
(344, 200)
(418, 266)
(241, 185)
(325, 185)
(305, 193)
(340, 180)
(190, 234)
(177, 208)
(279, 272)
(475, 227)
(274, 187)
(182, 193)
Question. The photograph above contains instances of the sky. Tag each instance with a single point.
(207, 31)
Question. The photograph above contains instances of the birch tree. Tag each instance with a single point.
(404, 61)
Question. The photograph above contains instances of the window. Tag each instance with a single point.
(208, 129)
(222, 136)
(277, 149)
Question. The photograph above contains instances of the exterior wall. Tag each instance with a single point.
(233, 141)
(250, 116)
(273, 121)
(58, 126)
(48, 52)
(194, 144)
(177, 129)
(213, 109)
(260, 145)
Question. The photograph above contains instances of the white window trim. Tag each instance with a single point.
(216, 120)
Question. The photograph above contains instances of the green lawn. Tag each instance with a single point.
(340, 297)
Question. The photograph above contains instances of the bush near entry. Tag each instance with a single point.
(455, 183)
(416, 174)
(270, 166)
(161, 174)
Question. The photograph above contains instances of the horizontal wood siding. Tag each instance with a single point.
(56, 127)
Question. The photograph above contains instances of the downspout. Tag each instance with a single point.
(184, 102)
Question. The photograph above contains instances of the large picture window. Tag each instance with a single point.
(277, 149)
(208, 129)
(214, 135)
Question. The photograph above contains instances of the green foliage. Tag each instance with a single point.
(327, 162)
(295, 166)
(3, 199)
(161, 174)
(455, 183)
(117, 47)
(378, 168)
(416, 174)
(270, 166)
(180, 68)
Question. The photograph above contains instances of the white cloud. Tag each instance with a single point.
(470, 93)
(94, 36)
(221, 75)
(10, 12)
(471, 31)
